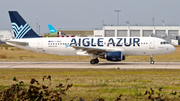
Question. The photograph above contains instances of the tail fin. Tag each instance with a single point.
(20, 27)
(51, 29)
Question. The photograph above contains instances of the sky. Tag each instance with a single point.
(90, 14)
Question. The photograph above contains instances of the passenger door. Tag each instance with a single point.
(40, 44)
(151, 44)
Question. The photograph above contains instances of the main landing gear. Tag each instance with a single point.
(151, 62)
(94, 61)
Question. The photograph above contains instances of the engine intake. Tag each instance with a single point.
(114, 56)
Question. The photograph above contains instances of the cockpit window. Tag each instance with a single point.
(164, 43)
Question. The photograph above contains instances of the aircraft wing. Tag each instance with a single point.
(90, 50)
(94, 50)
(17, 43)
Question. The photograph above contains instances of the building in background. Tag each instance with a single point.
(5, 35)
(169, 33)
(79, 33)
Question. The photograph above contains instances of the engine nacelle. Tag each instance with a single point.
(113, 56)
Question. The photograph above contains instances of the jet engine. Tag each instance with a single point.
(114, 56)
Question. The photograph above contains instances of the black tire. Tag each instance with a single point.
(96, 61)
(92, 61)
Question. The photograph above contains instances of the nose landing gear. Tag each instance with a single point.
(151, 62)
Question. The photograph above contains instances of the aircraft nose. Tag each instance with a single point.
(172, 48)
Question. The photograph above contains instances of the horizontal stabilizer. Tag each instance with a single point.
(18, 43)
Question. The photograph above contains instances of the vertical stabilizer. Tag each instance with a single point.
(52, 30)
(20, 27)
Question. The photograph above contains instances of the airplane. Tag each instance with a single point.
(110, 48)
(52, 30)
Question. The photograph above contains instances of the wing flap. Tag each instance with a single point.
(90, 50)
(97, 50)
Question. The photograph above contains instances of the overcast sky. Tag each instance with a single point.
(88, 14)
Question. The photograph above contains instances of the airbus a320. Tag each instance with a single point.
(110, 48)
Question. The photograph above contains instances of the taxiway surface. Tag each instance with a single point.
(102, 65)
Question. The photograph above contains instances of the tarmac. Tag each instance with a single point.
(101, 65)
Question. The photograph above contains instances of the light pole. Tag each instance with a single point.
(39, 29)
(127, 22)
(163, 21)
(117, 16)
(153, 20)
(128, 31)
(102, 22)
(37, 23)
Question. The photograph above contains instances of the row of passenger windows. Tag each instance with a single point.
(85, 43)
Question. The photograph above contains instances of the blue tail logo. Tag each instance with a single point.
(20, 28)
(52, 29)
(20, 31)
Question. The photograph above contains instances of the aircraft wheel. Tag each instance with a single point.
(151, 58)
(152, 62)
(96, 61)
(93, 61)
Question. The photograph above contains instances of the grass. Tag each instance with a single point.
(102, 83)
(8, 53)
(95, 83)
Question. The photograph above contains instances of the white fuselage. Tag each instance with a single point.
(127, 45)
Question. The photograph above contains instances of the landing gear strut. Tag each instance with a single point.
(94, 61)
(151, 62)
